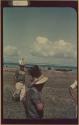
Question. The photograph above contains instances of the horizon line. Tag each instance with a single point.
(41, 64)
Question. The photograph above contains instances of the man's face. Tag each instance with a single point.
(22, 67)
(39, 87)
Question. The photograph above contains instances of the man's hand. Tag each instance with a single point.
(40, 107)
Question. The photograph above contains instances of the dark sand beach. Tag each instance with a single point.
(58, 102)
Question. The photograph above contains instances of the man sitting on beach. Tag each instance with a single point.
(20, 83)
(32, 101)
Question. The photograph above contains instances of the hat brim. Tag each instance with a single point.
(21, 65)
(42, 80)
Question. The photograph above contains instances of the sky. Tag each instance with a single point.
(40, 35)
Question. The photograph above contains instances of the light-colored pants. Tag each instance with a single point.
(20, 89)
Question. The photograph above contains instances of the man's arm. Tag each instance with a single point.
(15, 76)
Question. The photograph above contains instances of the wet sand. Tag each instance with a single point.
(56, 96)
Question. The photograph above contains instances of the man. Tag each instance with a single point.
(73, 93)
(20, 83)
(33, 103)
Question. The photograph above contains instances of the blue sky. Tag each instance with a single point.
(40, 35)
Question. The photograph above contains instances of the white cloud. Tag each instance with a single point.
(58, 49)
(13, 54)
(11, 51)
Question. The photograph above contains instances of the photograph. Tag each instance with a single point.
(40, 63)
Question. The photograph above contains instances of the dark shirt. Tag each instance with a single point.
(20, 76)
(33, 97)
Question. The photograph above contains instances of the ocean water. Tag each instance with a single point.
(15, 65)
(10, 65)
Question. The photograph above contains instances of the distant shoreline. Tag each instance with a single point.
(13, 69)
(7, 69)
